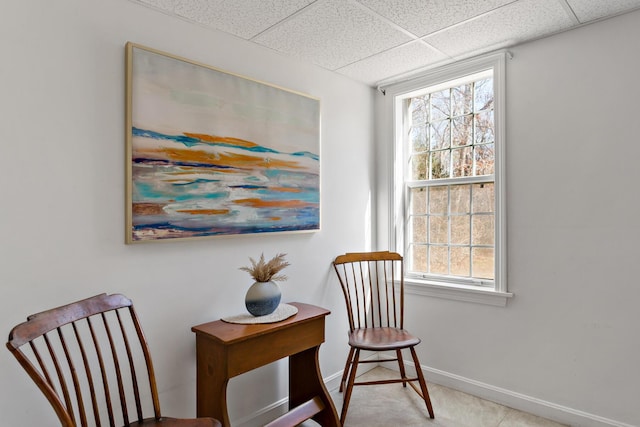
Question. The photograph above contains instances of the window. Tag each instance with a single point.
(449, 183)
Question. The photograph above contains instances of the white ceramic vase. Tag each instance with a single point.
(263, 298)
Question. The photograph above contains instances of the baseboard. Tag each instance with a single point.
(264, 415)
(519, 401)
(273, 411)
(332, 382)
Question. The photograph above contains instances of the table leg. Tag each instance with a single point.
(305, 382)
(211, 381)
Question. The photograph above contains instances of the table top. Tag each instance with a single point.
(230, 333)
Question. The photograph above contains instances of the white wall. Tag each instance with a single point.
(567, 345)
(62, 194)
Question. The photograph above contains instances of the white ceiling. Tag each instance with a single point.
(378, 41)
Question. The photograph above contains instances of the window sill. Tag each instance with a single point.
(458, 292)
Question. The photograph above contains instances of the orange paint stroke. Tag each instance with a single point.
(205, 171)
(204, 211)
(259, 203)
(147, 209)
(221, 139)
(227, 159)
(286, 189)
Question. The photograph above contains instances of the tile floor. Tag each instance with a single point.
(392, 405)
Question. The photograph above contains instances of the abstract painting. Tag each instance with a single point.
(211, 153)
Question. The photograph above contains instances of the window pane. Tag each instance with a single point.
(440, 105)
(418, 201)
(462, 161)
(460, 199)
(462, 131)
(461, 99)
(484, 94)
(461, 230)
(419, 229)
(439, 229)
(440, 164)
(418, 138)
(438, 260)
(483, 198)
(485, 155)
(485, 130)
(419, 109)
(419, 258)
(440, 134)
(438, 200)
(449, 138)
(482, 259)
(419, 166)
(461, 261)
(482, 229)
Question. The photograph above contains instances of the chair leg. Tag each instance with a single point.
(403, 373)
(346, 369)
(423, 383)
(347, 393)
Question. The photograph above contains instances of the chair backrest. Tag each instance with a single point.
(91, 361)
(373, 287)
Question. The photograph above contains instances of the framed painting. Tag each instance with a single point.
(211, 153)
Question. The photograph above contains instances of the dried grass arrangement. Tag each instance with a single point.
(262, 271)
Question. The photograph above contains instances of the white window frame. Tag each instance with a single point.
(493, 295)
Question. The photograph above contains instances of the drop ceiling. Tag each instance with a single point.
(380, 41)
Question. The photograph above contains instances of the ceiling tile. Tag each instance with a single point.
(589, 10)
(422, 17)
(375, 41)
(517, 22)
(332, 34)
(394, 62)
(194, 10)
(243, 18)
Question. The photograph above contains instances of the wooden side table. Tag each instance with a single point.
(225, 350)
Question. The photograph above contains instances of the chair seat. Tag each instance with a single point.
(381, 339)
(175, 422)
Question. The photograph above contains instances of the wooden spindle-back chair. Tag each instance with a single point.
(91, 360)
(373, 287)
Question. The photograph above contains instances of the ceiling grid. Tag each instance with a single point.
(374, 41)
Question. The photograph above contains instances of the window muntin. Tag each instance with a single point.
(451, 132)
(449, 144)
